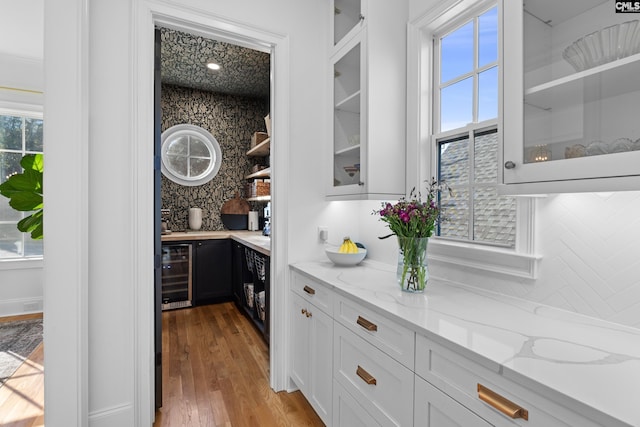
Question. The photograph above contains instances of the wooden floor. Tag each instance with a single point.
(22, 396)
(216, 373)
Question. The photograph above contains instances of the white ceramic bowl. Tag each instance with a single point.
(345, 259)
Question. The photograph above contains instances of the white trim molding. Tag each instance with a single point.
(518, 262)
(149, 14)
(18, 306)
(21, 263)
(504, 262)
(66, 267)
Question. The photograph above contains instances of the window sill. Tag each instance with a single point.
(496, 260)
(21, 263)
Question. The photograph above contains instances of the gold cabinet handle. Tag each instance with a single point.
(309, 290)
(308, 314)
(369, 326)
(366, 376)
(501, 403)
(303, 311)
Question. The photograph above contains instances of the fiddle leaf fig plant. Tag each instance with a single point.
(24, 191)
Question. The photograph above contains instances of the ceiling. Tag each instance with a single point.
(184, 56)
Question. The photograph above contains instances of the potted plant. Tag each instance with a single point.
(25, 193)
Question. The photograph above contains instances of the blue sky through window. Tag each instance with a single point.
(456, 60)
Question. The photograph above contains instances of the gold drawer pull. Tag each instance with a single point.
(309, 290)
(366, 376)
(303, 311)
(502, 404)
(366, 324)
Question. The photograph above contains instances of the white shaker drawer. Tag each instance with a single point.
(484, 391)
(390, 337)
(312, 291)
(382, 385)
(433, 408)
(347, 412)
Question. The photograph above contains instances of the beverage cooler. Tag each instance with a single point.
(176, 276)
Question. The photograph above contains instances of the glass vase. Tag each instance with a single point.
(412, 272)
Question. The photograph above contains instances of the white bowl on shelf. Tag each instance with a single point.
(344, 258)
(603, 46)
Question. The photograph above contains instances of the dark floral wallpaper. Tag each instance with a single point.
(231, 120)
(184, 56)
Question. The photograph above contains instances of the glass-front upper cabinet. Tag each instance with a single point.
(570, 95)
(348, 16)
(367, 72)
(347, 120)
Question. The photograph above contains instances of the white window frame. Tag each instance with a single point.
(521, 261)
(35, 112)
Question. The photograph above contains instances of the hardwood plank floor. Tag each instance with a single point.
(22, 396)
(216, 373)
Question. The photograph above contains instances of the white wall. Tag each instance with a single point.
(111, 221)
(20, 288)
(21, 77)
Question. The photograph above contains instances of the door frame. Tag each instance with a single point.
(147, 16)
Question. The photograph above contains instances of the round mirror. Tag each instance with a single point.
(190, 155)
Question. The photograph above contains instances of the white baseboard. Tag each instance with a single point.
(116, 416)
(18, 306)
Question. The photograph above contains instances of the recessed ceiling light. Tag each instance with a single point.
(213, 66)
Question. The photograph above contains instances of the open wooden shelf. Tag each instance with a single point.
(264, 173)
(261, 150)
(259, 199)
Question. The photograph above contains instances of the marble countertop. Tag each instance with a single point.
(583, 362)
(253, 239)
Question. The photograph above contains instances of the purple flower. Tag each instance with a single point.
(413, 216)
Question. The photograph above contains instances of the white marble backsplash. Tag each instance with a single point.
(590, 243)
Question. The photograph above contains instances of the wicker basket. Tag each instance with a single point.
(248, 293)
(258, 188)
(260, 305)
(248, 254)
(260, 267)
(263, 188)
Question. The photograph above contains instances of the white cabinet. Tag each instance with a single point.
(569, 127)
(433, 408)
(347, 412)
(311, 354)
(386, 335)
(384, 369)
(348, 19)
(368, 104)
(382, 386)
(494, 398)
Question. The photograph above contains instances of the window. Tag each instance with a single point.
(454, 117)
(190, 155)
(466, 137)
(20, 134)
